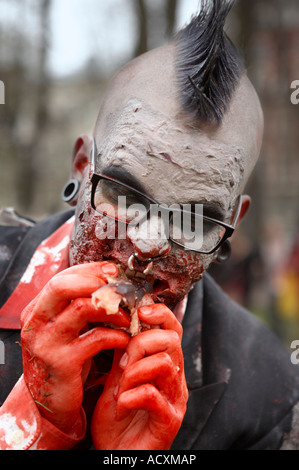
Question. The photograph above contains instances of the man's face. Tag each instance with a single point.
(173, 164)
(142, 134)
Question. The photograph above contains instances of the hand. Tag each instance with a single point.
(57, 346)
(144, 399)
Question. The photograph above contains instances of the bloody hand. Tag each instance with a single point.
(144, 399)
(56, 344)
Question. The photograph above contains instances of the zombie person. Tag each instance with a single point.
(180, 125)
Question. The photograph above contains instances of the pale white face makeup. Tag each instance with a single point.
(173, 167)
(172, 164)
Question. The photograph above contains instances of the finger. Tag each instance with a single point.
(159, 314)
(113, 378)
(96, 340)
(152, 342)
(158, 370)
(102, 269)
(82, 311)
(146, 397)
(60, 290)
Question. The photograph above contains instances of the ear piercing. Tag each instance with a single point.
(224, 252)
(70, 191)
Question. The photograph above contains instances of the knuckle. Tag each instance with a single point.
(54, 285)
(136, 342)
(174, 337)
(150, 391)
(165, 359)
(78, 304)
(179, 329)
(166, 364)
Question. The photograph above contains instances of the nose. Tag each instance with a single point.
(150, 238)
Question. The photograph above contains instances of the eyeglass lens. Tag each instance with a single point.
(187, 228)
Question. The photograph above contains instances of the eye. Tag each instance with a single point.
(211, 227)
(111, 192)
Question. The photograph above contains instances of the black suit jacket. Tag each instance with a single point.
(243, 388)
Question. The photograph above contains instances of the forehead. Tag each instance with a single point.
(174, 163)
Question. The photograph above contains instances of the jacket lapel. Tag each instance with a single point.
(202, 398)
(201, 404)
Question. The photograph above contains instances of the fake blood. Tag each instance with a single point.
(174, 274)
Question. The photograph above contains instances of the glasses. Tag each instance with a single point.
(186, 227)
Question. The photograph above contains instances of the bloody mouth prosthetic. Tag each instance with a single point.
(169, 279)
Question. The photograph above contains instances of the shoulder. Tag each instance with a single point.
(13, 229)
(10, 218)
(239, 337)
(263, 384)
(19, 238)
(19, 232)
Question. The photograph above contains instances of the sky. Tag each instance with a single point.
(79, 30)
(82, 29)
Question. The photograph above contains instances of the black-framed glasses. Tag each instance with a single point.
(185, 226)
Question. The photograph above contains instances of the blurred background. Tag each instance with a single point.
(56, 57)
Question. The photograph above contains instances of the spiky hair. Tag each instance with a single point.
(208, 65)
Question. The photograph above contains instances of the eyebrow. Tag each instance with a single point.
(210, 209)
(123, 176)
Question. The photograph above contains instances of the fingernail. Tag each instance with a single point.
(146, 310)
(123, 361)
(115, 393)
(109, 269)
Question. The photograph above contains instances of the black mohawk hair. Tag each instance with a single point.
(208, 65)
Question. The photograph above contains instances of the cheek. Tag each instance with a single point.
(191, 264)
(84, 244)
(181, 270)
(92, 238)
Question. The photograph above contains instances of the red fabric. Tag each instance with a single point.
(23, 428)
(21, 425)
(51, 257)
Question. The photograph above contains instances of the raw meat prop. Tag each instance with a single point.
(121, 292)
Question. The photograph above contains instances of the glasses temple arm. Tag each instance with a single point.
(92, 154)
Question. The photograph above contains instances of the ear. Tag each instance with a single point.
(81, 156)
(246, 201)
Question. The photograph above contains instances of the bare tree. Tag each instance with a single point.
(37, 87)
(141, 15)
(163, 13)
(171, 10)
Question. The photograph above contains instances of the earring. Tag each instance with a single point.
(70, 191)
(224, 252)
